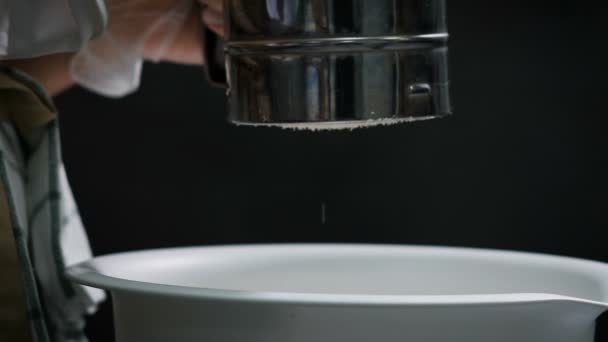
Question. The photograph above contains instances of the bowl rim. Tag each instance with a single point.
(87, 274)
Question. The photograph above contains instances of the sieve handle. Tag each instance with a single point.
(213, 56)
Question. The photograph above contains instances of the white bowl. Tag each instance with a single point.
(348, 293)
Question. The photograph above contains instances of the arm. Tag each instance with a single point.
(53, 71)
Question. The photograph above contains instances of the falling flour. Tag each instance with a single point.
(332, 125)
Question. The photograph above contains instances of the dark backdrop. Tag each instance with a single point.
(521, 165)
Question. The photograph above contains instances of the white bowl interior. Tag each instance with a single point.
(361, 270)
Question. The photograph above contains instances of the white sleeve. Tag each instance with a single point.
(31, 28)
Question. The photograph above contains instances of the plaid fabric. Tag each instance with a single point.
(47, 231)
(19, 270)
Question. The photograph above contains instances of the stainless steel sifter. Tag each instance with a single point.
(332, 63)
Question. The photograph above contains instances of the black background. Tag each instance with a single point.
(521, 165)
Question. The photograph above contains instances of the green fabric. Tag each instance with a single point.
(25, 275)
(14, 322)
(23, 102)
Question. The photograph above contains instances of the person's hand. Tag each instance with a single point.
(186, 45)
(156, 30)
(170, 30)
(159, 30)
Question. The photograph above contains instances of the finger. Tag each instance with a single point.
(214, 20)
(216, 5)
(186, 48)
(218, 29)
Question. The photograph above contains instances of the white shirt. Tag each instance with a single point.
(31, 28)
